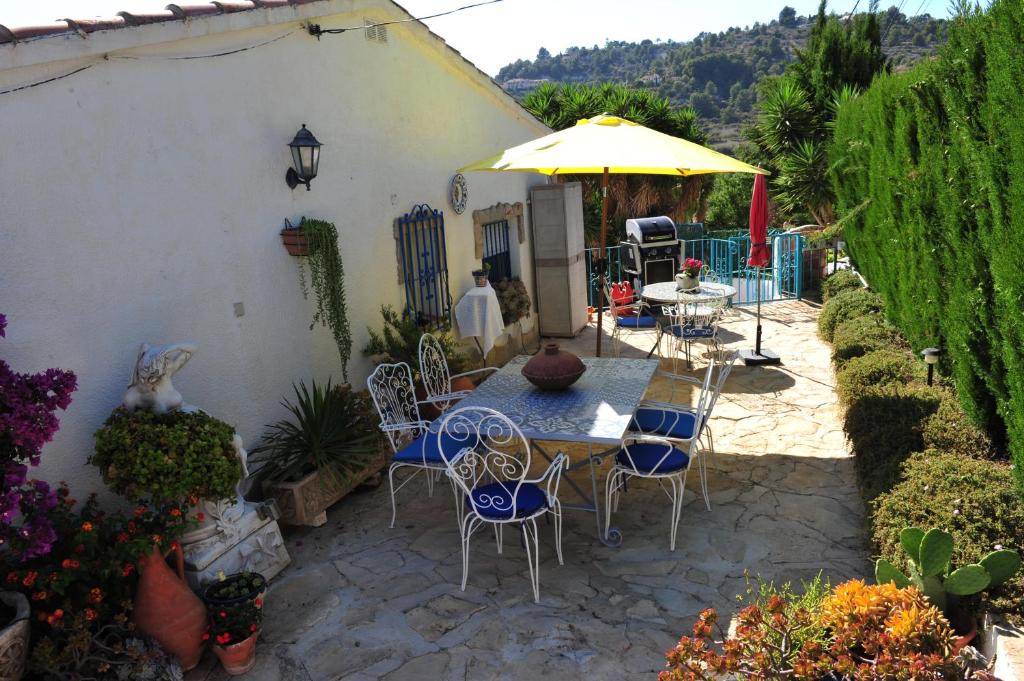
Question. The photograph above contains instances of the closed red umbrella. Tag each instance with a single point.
(759, 257)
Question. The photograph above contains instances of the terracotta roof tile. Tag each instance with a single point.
(236, 6)
(150, 18)
(186, 11)
(25, 32)
(90, 25)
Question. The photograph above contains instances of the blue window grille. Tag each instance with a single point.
(496, 251)
(424, 259)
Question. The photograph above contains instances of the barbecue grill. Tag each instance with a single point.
(651, 250)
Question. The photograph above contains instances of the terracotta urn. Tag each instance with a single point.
(14, 635)
(167, 611)
(237, 658)
(553, 369)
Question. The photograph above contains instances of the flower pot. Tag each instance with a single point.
(553, 369)
(481, 279)
(14, 636)
(215, 601)
(167, 611)
(237, 658)
(305, 501)
(686, 282)
(965, 626)
(295, 241)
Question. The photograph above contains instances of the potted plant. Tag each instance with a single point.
(294, 238)
(328, 446)
(513, 299)
(929, 556)
(482, 274)
(687, 279)
(327, 281)
(236, 615)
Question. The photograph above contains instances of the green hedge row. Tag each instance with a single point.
(930, 174)
(919, 459)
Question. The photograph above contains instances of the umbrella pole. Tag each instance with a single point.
(757, 343)
(759, 356)
(602, 263)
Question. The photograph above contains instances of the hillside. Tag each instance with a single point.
(716, 73)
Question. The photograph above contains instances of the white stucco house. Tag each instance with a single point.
(142, 186)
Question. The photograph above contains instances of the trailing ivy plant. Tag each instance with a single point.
(327, 279)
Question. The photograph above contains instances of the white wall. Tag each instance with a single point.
(142, 198)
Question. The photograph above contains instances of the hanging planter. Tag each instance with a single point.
(295, 239)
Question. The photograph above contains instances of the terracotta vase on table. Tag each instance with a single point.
(553, 369)
(167, 610)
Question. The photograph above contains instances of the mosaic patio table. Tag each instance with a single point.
(668, 293)
(595, 411)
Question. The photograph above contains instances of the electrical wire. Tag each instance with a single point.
(315, 30)
(48, 80)
(203, 56)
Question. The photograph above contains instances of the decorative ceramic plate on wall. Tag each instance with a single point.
(458, 193)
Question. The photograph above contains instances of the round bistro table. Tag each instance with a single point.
(668, 293)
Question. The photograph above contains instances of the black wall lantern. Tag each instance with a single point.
(305, 158)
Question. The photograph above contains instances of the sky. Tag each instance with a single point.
(497, 34)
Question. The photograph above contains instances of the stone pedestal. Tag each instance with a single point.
(248, 539)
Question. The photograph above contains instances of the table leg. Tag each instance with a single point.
(483, 357)
(657, 341)
(592, 505)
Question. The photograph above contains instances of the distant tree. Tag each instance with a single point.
(787, 17)
(543, 53)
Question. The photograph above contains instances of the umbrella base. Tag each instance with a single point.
(753, 358)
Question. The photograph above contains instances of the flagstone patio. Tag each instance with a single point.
(362, 601)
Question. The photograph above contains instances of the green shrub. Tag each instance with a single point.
(876, 369)
(950, 430)
(861, 335)
(842, 280)
(973, 500)
(167, 457)
(884, 427)
(847, 305)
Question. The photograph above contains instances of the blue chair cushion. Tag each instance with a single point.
(494, 501)
(414, 451)
(641, 322)
(681, 331)
(647, 458)
(661, 422)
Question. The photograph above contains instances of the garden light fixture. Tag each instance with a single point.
(305, 158)
(931, 358)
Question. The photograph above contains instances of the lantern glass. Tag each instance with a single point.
(305, 149)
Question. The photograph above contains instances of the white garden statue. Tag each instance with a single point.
(150, 387)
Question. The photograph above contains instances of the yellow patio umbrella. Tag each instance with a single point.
(608, 144)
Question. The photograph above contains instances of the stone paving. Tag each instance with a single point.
(361, 601)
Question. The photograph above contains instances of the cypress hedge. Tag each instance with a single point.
(930, 174)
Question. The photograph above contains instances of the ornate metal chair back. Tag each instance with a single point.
(394, 396)
(437, 378)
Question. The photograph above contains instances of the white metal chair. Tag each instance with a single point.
(437, 379)
(691, 323)
(490, 467)
(636, 315)
(678, 423)
(658, 457)
(394, 395)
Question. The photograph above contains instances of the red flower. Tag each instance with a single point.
(90, 614)
(30, 578)
(58, 613)
(131, 526)
(87, 526)
(70, 564)
(224, 639)
(39, 596)
(12, 577)
(176, 512)
(193, 499)
(123, 537)
(128, 567)
(258, 602)
(139, 510)
(252, 627)
(206, 636)
(200, 517)
(157, 539)
(222, 613)
(95, 595)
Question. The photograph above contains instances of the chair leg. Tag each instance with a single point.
(498, 532)
(459, 508)
(430, 483)
(391, 486)
(467, 531)
(702, 472)
(533, 556)
(610, 497)
(556, 510)
(678, 486)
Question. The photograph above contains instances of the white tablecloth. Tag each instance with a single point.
(478, 314)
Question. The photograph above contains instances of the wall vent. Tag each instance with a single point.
(374, 33)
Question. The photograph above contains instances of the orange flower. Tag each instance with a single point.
(176, 512)
(39, 596)
(157, 539)
(90, 614)
(87, 526)
(95, 595)
(193, 499)
(70, 564)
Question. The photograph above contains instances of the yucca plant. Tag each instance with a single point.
(331, 430)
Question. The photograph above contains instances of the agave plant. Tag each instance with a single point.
(330, 430)
(930, 570)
